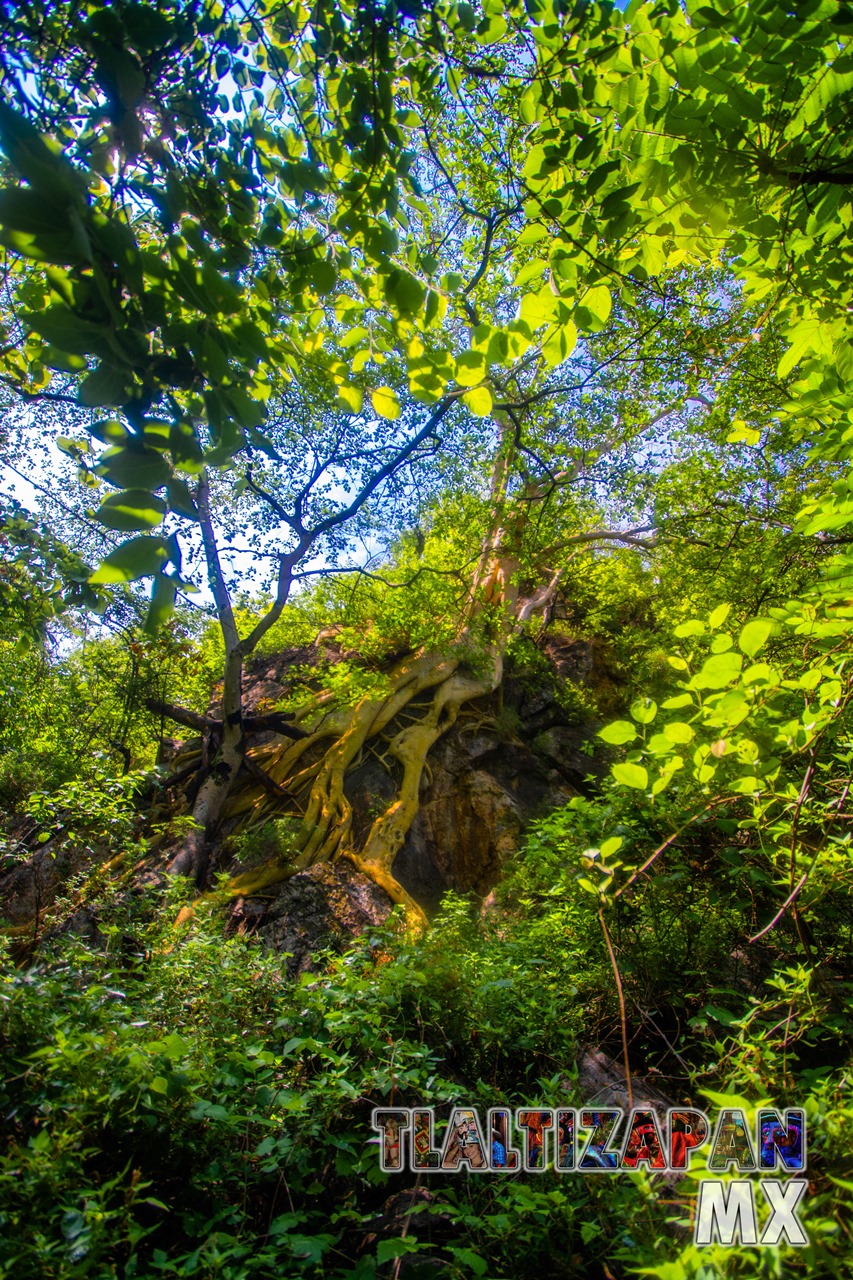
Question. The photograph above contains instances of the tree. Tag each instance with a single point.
(724, 129)
(198, 298)
(586, 268)
(362, 201)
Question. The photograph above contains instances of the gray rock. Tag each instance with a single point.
(327, 905)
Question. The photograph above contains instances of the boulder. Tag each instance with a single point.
(326, 906)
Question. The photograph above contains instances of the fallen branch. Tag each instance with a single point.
(275, 721)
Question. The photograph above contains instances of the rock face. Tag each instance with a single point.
(324, 906)
(509, 759)
(31, 892)
(473, 811)
(500, 767)
(602, 1083)
(27, 887)
(414, 1212)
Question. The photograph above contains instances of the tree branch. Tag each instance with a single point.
(275, 722)
(628, 536)
(182, 715)
(812, 177)
(390, 467)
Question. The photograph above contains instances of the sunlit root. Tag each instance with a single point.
(306, 776)
(416, 921)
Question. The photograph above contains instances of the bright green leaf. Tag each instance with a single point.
(643, 711)
(678, 732)
(479, 401)
(718, 671)
(631, 775)
(385, 402)
(718, 616)
(754, 635)
(618, 733)
(131, 510)
(134, 559)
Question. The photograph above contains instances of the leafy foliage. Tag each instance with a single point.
(506, 325)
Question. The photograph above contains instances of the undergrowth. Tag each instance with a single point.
(177, 1105)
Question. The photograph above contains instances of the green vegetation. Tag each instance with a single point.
(392, 394)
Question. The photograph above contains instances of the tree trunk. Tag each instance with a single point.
(192, 858)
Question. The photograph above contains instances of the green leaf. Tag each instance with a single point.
(733, 706)
(618, 733)
(246, 410)
(180, 498)
(470, 368)
(720, 1015)
(470, 1260)
(385, 402)
(163, 593)
(436, 306)
(538, 308)
(675, 704)
(479, 401)
(643, 712)
(133, 468)
(23, 209)
(743, 434)
(106, 385)
(134, 559)
(396, 1247)
(350, 398)
(404, 292)
(185, 448)
(678, 731)
(718, 616)
(692, 628)
(42, 166)
(59, 326)
(806, 337)
(631, 775)
(156, 434)
(755, 635)
(110, 432)
(745, 786)
(718, 671)
(596, 303)
(560, 345)
(132, 510)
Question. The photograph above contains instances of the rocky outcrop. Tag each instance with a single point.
(509, 759)
(415, 1212)
(325, 906)
(602, 1083)
(482, 793)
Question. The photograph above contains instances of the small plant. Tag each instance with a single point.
(272, 841)
(97, 812)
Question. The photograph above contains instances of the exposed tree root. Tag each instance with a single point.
(305, 774)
